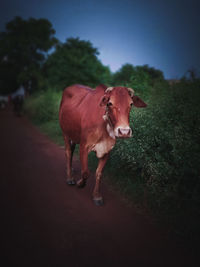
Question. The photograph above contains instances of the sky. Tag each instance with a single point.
(162, 34)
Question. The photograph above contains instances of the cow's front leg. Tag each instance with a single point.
(84, 166)
(97, 197)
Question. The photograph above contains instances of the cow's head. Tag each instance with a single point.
(118, 102)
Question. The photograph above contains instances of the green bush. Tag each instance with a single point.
(164, 153)
(42, 108)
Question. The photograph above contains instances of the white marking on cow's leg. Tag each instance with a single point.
(97, 197)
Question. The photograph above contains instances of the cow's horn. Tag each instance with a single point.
(109, 89)
(131, 91)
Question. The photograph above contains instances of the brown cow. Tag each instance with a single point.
(94, 119)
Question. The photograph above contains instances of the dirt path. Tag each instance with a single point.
(47, 223)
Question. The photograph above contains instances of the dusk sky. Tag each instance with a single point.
(162, 34)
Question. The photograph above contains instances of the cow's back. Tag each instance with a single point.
(73, 95)
(69, 113)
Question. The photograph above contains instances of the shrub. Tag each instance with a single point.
(43, 106)
(164, 153)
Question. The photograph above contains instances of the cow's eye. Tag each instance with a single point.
(131, 104)
(109, 104)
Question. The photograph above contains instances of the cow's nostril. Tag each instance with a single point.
(124, 131)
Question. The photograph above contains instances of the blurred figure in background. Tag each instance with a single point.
(18, 100)
(3, 101)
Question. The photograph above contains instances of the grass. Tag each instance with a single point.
(52, 129)
(42, 108)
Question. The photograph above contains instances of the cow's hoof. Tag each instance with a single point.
(98, 201)
(81, 183)
(71, 182)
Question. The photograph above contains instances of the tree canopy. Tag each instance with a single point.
(129, 72)
(75, 61)
(24, 59)
(142, 78)
(23, 47)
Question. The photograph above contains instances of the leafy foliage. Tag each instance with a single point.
(22, 51)
(75, 62)
(164, 153)
(141, 78)
(42, 107)
(123, 76)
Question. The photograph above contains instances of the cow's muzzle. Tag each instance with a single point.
(123, 132)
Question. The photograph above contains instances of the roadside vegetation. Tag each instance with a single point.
(158, 168)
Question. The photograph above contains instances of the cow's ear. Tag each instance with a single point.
(104, 100)
(138, 102)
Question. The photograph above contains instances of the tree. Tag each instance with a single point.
(134, 77)
(153, 73)
(23, 48)
(141, 78)
(191, 75)
(128, 73)
(140, 81)
(123, 76)
(75, 61)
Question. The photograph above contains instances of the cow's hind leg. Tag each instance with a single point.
(69, 150)
(84, 166)
(97, 197)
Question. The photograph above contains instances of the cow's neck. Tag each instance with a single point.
(109, 125)
(105, 142)
(110, 131)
